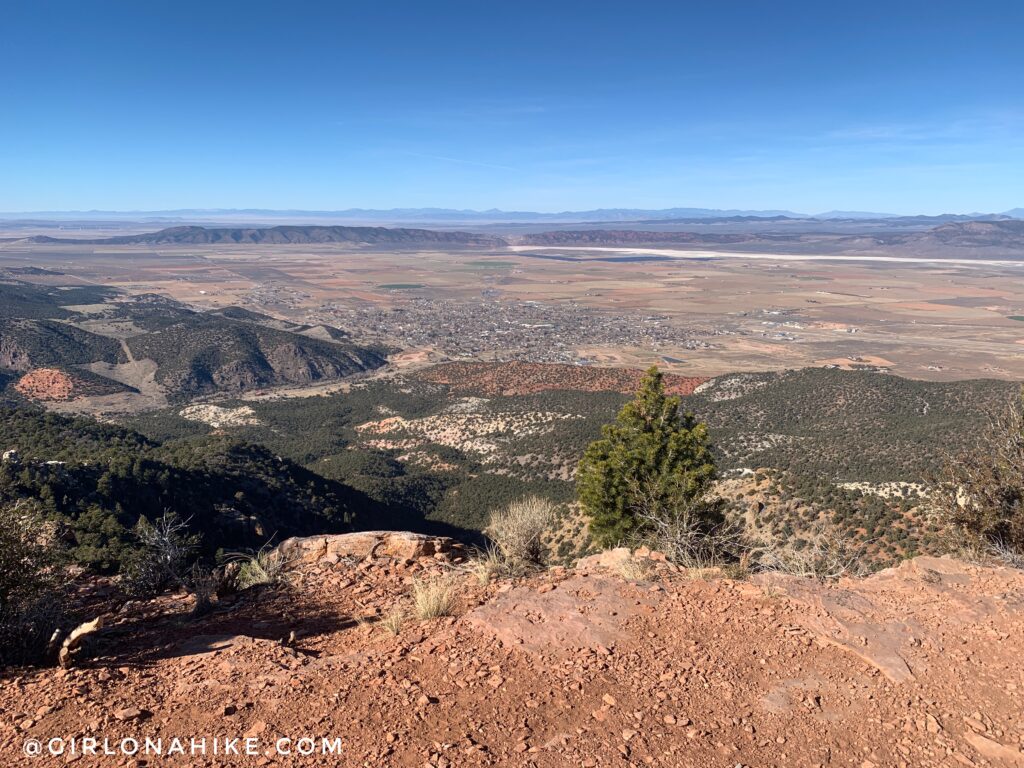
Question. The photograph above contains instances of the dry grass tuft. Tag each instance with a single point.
(488, 564)
(394, 620)
(635, 569)
(433, 597)
(264, 567)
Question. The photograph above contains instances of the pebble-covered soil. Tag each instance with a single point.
(918, 666)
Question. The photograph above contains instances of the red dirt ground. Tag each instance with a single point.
(46, 384)
(917, 666)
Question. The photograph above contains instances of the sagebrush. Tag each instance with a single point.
(518, 530)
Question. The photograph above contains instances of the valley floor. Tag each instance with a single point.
(915, 666)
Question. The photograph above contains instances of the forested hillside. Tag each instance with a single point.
(423, 448)
(96, 481)
(845, 425)
(195, 352)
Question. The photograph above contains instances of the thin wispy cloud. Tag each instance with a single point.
(935, 130)
(460, 161)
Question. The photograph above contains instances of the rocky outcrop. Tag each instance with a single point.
(297, 364)
(12, 356)
(555, 668)
(305, 550)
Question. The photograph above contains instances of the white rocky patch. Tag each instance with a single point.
(218, 417)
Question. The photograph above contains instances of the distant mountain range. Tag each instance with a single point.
(454, 216)
(1006, 235)
(285, 235)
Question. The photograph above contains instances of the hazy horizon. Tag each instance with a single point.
(694, 211)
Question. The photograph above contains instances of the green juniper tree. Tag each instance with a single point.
(652, 464)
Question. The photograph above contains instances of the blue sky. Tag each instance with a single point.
(898, 106)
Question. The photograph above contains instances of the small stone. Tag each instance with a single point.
(257, 728)
(130, 713)
(975, 724)
(627, 735)
(608, 699)
(669, 719)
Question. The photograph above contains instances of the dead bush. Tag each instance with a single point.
(979, 495)
(31, 589)
(164, 557)
(687, 536)
(828, 555)
(517, 530)
(202, 583)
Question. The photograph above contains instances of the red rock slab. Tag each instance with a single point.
(580, 613)
(850, 621)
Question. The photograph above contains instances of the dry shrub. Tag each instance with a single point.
(980, 552)
(433, 597)
(1006, 555)
(827, 556)
(202, 583)
(979, 495)
(31, 592)
(164, 558)
(688, 537)
(518, 529)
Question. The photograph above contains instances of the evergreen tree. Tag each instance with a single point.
(652, 463)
